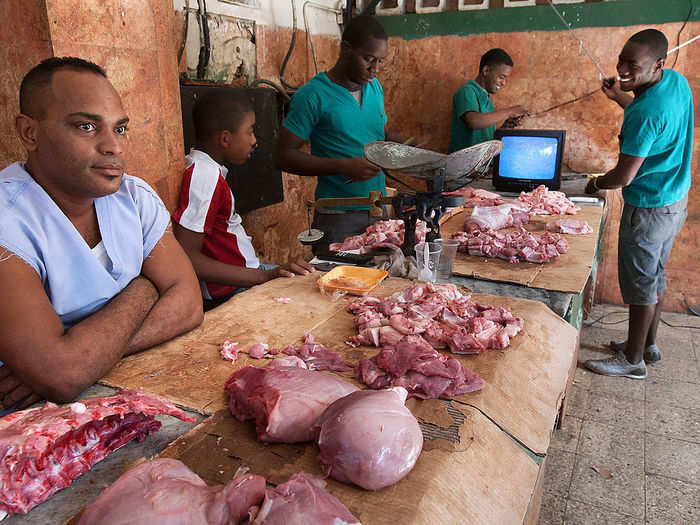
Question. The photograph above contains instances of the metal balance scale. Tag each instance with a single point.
(441, 173)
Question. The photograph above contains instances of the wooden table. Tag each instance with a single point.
(483, 452)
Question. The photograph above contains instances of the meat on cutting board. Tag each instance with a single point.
(477, 197)
(369, 438)
(496, 218)
(284, 401)
(302, 500)
(436, 315)
(42, 450)
(424, 372)
(569, 226)
(317, 356)
(512, 246)
(378, 235)
(165, 492)
(543, 201)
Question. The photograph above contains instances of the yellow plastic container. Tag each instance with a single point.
(354, 280)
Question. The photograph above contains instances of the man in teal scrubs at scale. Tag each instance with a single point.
(473, 118)
(338, 112)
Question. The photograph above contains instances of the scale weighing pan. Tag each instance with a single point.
(422, 162)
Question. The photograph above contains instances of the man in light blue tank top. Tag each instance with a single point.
(656, 144)
(89, 272)
(338, 112)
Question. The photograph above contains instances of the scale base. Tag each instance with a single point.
(310, 236)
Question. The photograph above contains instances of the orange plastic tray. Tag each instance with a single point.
(354, 280)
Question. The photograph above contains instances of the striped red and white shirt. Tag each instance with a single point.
(207, 206)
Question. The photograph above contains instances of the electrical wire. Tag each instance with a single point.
(557, 106)
(600, 321)
(678, 37)
(279, 88)
(288, 86)
(184, 32)
(205, 46)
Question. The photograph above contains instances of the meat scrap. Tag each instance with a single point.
(369, 438)
(165, 492)
(424, 372)
(229, 351)
(284, 401)
(477, 197)
(378, 235)
(318, 357)
(569, 226)
(301, 500)
(512, 246)
(496, 217)
(435, 315)
(543, 201)
(42, 450)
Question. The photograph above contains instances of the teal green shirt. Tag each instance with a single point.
(330, 118)
(470, 97)
(658, 125)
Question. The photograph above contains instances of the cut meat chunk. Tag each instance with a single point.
(369, 438)
(424, 372)
(302, 500)
(569, 226)
(165, 492)
(42, 450)
(284, 401)
(477, 197)
(318, 357)
(542, 201)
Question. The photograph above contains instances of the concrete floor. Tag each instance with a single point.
(628, 451)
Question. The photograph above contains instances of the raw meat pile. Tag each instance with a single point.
(42, 450)
(381, 234)
(166, 492)
(512, 246)
(423, 371)
(569, 226)
(496, 217)
(302, 500)
(285, 401)
(476, 197)
(542, 201)
(369, 438)
(315, 355)
(435, 314)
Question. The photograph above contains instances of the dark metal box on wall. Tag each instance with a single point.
(257, 183)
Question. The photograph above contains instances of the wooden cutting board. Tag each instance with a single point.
(524, 383)
(567, 273)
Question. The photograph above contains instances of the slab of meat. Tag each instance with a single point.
(165, 492)
(284, 401)
(381, 234)
(512, 246)
(496, 218)
(369, 438)
(542, 201)
(435, 315)
(569, 226)
(424, 372)
(476, 197)
(302, 500)
(318, 357)
(42, 450)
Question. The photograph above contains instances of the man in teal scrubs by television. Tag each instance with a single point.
(338, 112)
(473, 118)
(653, 170)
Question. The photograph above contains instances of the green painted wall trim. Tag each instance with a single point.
(541, 18)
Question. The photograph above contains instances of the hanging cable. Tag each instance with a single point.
(184, 32)
(290, 87)
(205, 46)
(678, 37)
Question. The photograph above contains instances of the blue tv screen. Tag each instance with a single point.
(533, 158)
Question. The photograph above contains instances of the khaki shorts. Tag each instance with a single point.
(645, 242)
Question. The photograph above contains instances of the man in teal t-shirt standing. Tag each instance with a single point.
(653, 170)
(473, 117)
(339, 112)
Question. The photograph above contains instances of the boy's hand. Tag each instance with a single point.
(296, 267)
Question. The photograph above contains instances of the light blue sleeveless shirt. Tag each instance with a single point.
(132, 220)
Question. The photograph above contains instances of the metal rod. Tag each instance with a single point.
(682, 45)
(568, 26)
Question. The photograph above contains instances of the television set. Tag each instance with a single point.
(530, 157)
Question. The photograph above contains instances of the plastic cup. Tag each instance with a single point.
(447, 258)
(428, 272)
